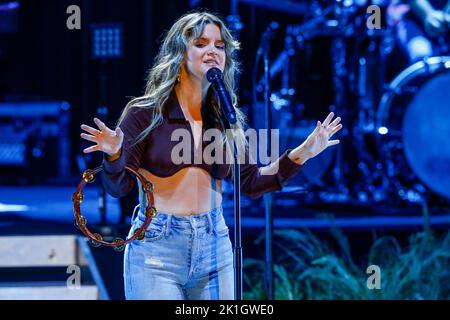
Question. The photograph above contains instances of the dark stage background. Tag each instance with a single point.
(365, 204)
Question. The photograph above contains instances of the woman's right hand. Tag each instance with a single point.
(107, 140)
(435, 23)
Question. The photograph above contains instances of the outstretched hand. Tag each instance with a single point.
(107, 140)
(318, 140)
(436, 23)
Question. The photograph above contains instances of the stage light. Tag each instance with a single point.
(383, 130)
(106, 41)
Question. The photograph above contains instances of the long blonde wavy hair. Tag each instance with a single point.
(164, 73)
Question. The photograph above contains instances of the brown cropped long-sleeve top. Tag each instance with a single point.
(154, 154)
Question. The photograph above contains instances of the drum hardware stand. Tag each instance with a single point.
(369, 62)
(338, 53)
(365, 57)
(350, 95)
(295, 41)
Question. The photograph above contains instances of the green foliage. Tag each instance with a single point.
(306, 268)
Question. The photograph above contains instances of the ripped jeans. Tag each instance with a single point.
(180, 258)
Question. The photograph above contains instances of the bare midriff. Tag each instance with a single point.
(188, 192)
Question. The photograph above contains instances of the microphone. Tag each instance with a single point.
(214, 76)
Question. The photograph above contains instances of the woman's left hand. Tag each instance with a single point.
(317, 141)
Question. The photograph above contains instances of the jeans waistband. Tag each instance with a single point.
(206, 219)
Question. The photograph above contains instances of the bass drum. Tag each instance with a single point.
(413, 122)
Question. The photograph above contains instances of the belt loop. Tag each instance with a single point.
(134, 212)
(168, 223)
(190, 221)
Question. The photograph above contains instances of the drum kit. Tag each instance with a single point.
(395, 144)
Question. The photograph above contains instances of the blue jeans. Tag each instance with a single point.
(181, 258)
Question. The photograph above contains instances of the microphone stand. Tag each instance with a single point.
(214, 76)
(237, 251)
(237, 226)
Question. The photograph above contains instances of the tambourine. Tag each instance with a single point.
(95, 239)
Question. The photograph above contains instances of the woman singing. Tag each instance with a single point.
(187, 252)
